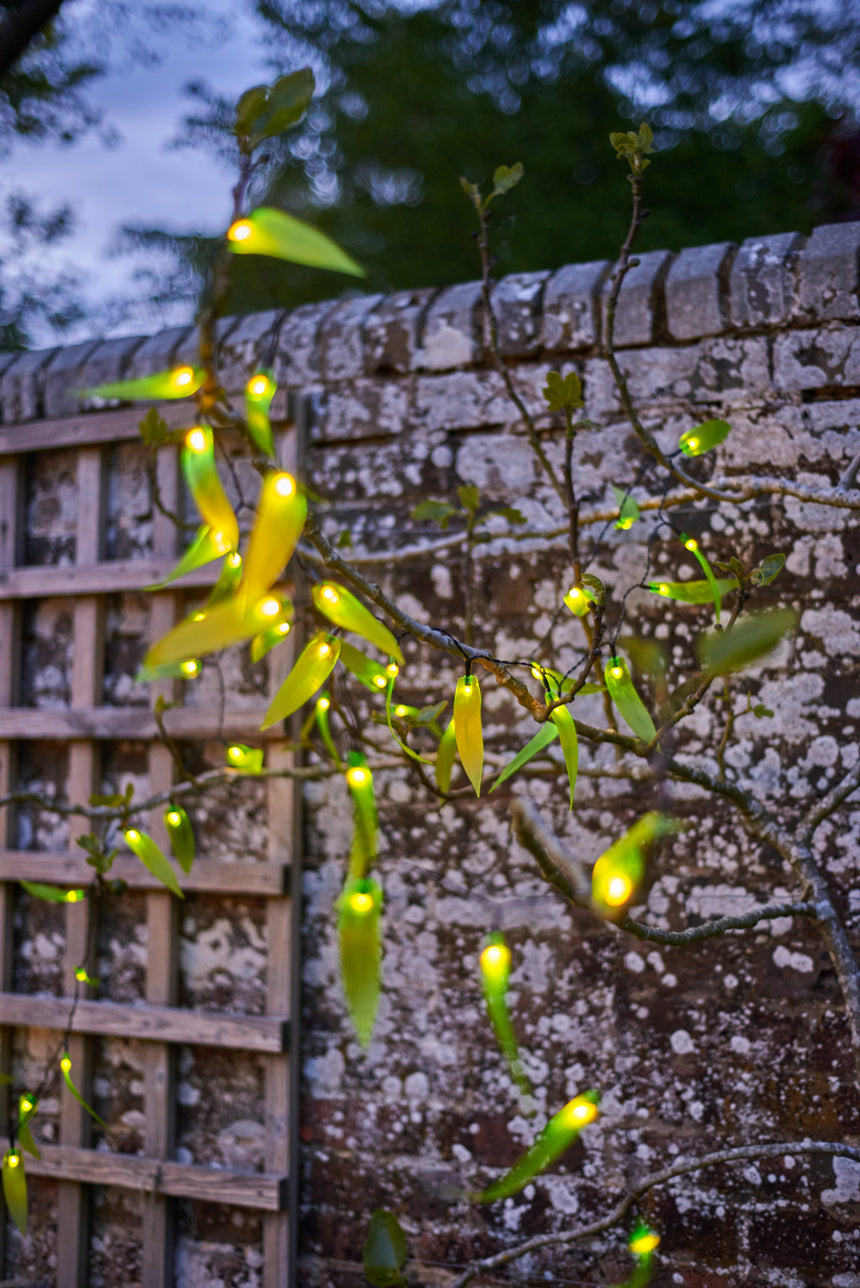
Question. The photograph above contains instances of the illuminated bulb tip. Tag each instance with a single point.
(234, 560)
(400, 711)
(285, 484)
(174, 819)
(692, 444)
(617, 672)
(235, 753)
(65, 1064)
(80, 974)
(198, 617)
(663, 589)
(240, 231)
(14, 1160)
(269, 607)
(132, 835)
(575, 593)
(361, 902)
(323, 704)
(329, 593)
(379, 681)
(357, 777)
(393, 669)
(324, 650)
(624, 524)
(73, 896)
(644, 1244)
(257, 386)
(190, 668)
(618, 891)
(196, 440)
(494, 957)
(692, 544)
(219, 541)
(182, 376)
(283, 629)
(581, 1112)
(26, 1103)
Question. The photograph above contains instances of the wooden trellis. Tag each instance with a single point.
(159, 1023)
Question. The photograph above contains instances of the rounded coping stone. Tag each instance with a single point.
(697, 302)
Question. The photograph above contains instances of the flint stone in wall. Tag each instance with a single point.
(516, 302)
(810, 359)
(157, 353)
(392, 330)
(641, 304)
(452, 329)
(364, 409)
(341, 346)
(22, 384)
(828, 273)
(297, 361)
(761, 283)
(250, 344)
(696, 291)
(64, 379)
(572, 304)
(464, 399)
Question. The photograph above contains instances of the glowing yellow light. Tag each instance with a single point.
(644, 1244)
(73, 896)
(392, 669)
(400, 711)
(468, 685)
(576, 593)
(361, 902)
(65, 1064)
(283, 629)
(174, 818)
(618, 891)
(13, 1160)
(617, 672)
(379, 681)
(692, 544)
(195, 440)
(257, 386)
(285, 484)
(26, 1102)
(190, 668)
(234, 560)
(536, 672)
(198, 617)
(182, 376)
(624, 524)
(240, 231)
(357, 777)
(494, 957)
(323, 704)
(81, 974)
(269, 607)
(580, 1112)
(219, 541)
(132, 835)
(692, 444)
(329, 593)
(663, 589)
(234, 753)
(324, 650)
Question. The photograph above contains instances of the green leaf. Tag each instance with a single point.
(467, 729)
(179, 382)
(201, 475)
(535, 745)
(249, 107)
(768, 570)
(152, 858)
(204, 549)
(703, 438)
(282, 508)
(15, 1187)
(154, 429)
(428, 715)
(66, 1069)
(628, 510)
(359, 908)
(627, 701)
(445, 757)
(563, 721)
(434, 512)
(760, 711)
(470, 498)
(562, 391)
(510, 513)
(692, 592)
(359, 780)
(507, 177)
(259, 392)
(371, 674)
(272, 232)
(181, 835)
(344, 541)
(748, 640)
(285, 103)
(384, 1251)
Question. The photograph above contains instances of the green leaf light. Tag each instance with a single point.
(66, 1070)
(15, 1188)
(259, 392)
(340, 606)
(209, 630)
(228, 579)
(371, 674)
(359, 780)
(272, 232)
(643, 1241)
(630, 706)
(628, 509)
(563, 721)
(359, 909)
(321, 710)
(53, 894)
(694, 442)
(579, 599)
(618, 872)
(181, 836)
(247, 759)
(691, 544)
(27, 1106)
(495, 962)
(180, 382)
(281, 512)
(445, 756)
(313, 666)
(153, 858)
(205, 548)
(198, 464)
(268, 639)
(467, 729)
(557, 1136)
(693, 592)
(187, 670)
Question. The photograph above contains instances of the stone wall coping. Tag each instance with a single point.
(767, 284)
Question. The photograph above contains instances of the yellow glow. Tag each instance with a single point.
(536, 672)
(132, 835)
(692, 544)
(13, 1159)
(234, 560)
(65, 1064)
(400, 711)
(198, 617)
(358, 777)
(580, 1112)
(269, 607)
(73, 896)
(468, 685)
(219, 541)
(329, 593)
(235, 753)
(26, 1102)
(240, 231)
(283, 629)
(692, 444)
(576, 593)
(361, 902)
(617, 672)
(174, 818)
(663, 590)
(618, 891)
(190, 668)
(392, 669)
(257, 386)
(644, 1244)
(195, 440)
(324, 650)
(182, 376)
(285, 484)
(80, 974)
(323, 704)
(624, 524)
(494, 958)
(379, 681)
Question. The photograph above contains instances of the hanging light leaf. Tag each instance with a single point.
(704, 437)
(198, 464)
(228, 580)
(204, 549)
(628, 510)
(359, 780)
(180, 833)
(66, 1070)
(401, 712)
(747, 641)
(313, 666)
(618, 872)
(693, 592)
(467, 729)
(249, 760)
(187, 670)
(643, 1240)
(340, 606)
(208, 630)
(544, 736)
(177, 383)
(53, 894)
(630, 706)
(153, 858)
(321, 710)
(371, 674)
(259, 392)
(563, 721)
(579, 599)
(359, 908)
(267, 640)
(445, 756)
(281, 512)
(27, 1107)
(495, 963)
(558, 1135)
(272, 232)
(15, 1187)
(691, 544)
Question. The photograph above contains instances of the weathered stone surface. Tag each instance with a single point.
(810, 359)
(452, 329)
(341, 339)
(158, 353)
(250, 344)
(368, 408)
(393, 329)
(106, 363)
(697, 291)
(762, 280)
(297, 362)
(572, 306)
(516, 303)
(641, 303)
(828, 273)
(22, 384)
(63, 379)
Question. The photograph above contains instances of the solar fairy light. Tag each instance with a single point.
(359, 937)
(467, 729)
(179, 382)
(267, 231)
(618, 872)
(630, 706)
(359, 780)
(704, 437)
(66, 1070)
(495, 963)
(198, 464)
(15, 1187)
(281, 512)
(153, 858)
(313, 666)
(181, 835)
(557, 1136)
(342, 608)
(259, 392)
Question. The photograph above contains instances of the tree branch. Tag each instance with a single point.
(22, 27)
(829, 804)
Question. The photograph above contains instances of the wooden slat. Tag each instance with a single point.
(262, 1191)
(205, 877)
(89, 428)
(148, 1023)
(98, 578)
(106, 723)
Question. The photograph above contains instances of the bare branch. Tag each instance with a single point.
(829, 804)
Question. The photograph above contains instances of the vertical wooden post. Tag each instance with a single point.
(87, 674)
(159, 1084)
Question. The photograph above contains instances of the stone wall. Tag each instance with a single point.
(736, 1040)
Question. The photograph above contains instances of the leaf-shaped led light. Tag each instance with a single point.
(268, 639)
(176, 383)
(272, 232)
(643, 1240)
(153, 858)
(544, 736)
(579, 599)
(313, 666)
(628, 509)
(704, 437)
(691, 544)
(693, 592)
(15, 1187)
(83, 976)
(249, 760)
(467, 729)
(198, 464)
(205, 548)
(322, 707)
(180, 833)
(563, 721)
(371, 674)
(495, 961)
(619, 870)
(27, 1106)
(66, 1070)
(340, 606)
(53, 894)
(359, 908)
(187, 670)
(629, 705)
(748, 640)
(445, 756)
(281, 512)
(228, 579)
(259, 392)
(558, 1135)
(359, 780)
(204, 631)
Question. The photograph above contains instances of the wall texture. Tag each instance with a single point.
(740, 1039)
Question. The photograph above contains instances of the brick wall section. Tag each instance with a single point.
(736, 1040)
